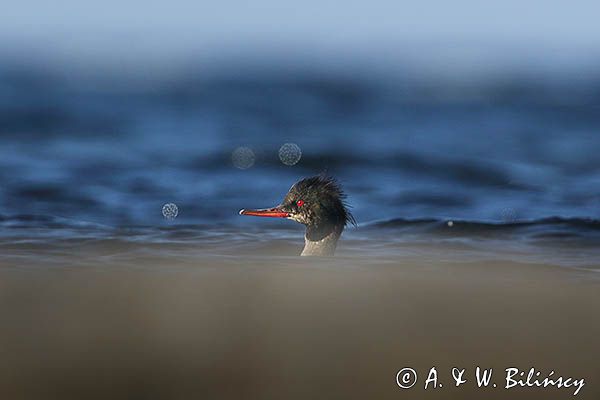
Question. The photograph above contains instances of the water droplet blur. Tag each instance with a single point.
(450, 224)
(508, 215)
(170, 211)
(290, 154)
(243, 158)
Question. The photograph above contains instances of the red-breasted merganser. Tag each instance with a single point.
(319, 203)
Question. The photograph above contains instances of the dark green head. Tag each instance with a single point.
(318, 201)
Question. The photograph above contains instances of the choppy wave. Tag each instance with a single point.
(551, 230)
(498, 158)
(585, 229)
(573, 242)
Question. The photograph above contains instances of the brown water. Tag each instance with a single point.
(112, 319)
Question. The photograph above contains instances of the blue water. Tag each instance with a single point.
(99, 152)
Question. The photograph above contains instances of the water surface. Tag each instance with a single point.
(510, 159)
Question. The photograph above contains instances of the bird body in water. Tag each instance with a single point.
(319, 203)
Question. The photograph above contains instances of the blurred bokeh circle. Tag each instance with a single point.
(170, 211)
(290, 153)
(243, 158)
(509, 215)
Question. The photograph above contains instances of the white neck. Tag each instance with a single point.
(322, 247)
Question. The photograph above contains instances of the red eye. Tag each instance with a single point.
(300, 203)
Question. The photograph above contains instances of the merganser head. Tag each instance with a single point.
(319, 203)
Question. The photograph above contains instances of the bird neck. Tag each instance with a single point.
(321, 240)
